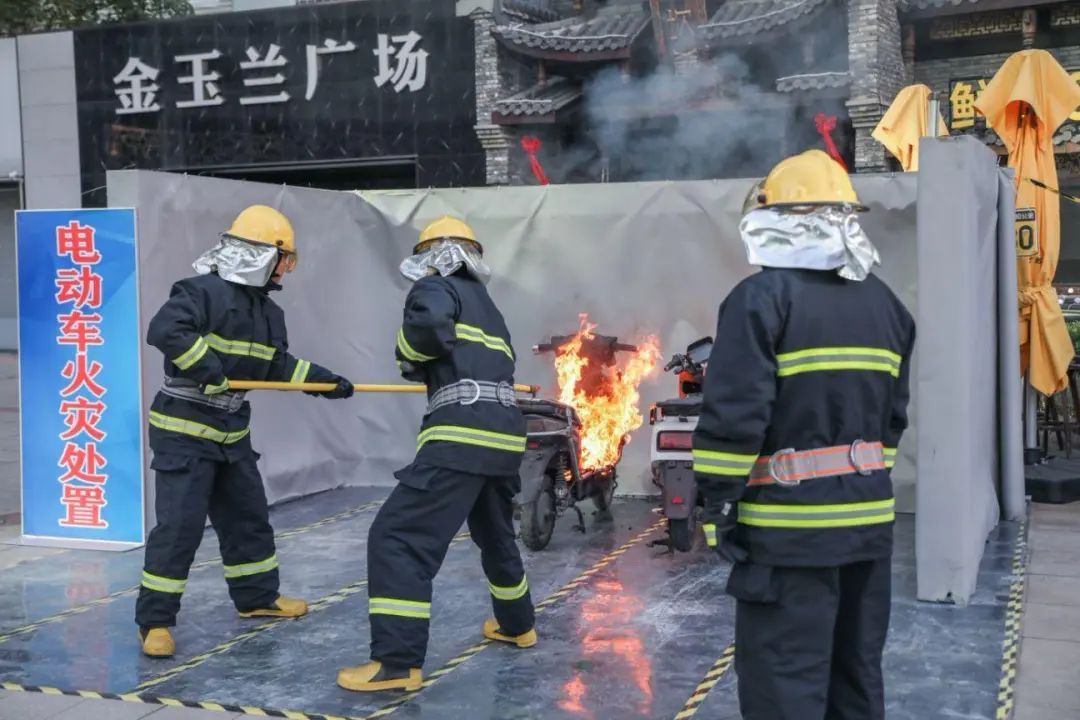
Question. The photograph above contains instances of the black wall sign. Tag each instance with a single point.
(362, 94)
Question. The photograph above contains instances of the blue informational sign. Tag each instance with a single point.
(80, 400)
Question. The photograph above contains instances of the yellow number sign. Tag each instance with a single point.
(1027, 233)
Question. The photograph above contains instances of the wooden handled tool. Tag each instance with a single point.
(326, 387)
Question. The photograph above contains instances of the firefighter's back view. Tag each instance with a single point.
(798, 430)
(469, 451)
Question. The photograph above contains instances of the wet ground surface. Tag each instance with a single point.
(632, 639)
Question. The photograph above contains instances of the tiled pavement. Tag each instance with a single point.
(1048, 686)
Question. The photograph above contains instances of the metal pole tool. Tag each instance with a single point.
(326, 387)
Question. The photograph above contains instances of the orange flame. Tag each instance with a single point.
(610, 413)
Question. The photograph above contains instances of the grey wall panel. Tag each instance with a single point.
(50, 147)
(957, 381)
(9, 203)
(10, 123)
(1010, 390)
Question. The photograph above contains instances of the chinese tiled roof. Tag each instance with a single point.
(530, 11)
(611, 29)
(540, 99)
(737, 18)
(812, 81)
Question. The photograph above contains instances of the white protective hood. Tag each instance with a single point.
(446, 257)
(826, 238)
(239, 261)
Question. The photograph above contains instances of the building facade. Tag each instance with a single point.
(956, 49)
(677, 89)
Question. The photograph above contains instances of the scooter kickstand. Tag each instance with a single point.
(665, 541)
(581, 519)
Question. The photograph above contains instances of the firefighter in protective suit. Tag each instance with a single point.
(794, 446)
(469, 450)
(217, 325)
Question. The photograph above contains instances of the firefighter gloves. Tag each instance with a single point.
(211, 389)
(343, 389)
(720, 535)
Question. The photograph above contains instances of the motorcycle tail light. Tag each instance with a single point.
(674, 441)
(677, 500)
(533, 444)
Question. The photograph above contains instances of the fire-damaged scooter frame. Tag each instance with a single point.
(552, 479)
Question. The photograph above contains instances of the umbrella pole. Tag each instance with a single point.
(1032, 453)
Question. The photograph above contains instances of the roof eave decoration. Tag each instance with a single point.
(740, 21)
(813, 82)
(609, 35)
(540, 104)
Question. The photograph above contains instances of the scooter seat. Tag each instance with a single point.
(542, 424)
(680, 407)
(548, 409)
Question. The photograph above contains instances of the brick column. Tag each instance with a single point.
(877, 74)
(908, 50)
(495, 140)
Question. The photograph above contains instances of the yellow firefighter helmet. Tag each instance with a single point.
(446, 228)
(266, 226)
(752, 199)
(810, 179)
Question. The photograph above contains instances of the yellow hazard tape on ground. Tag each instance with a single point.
(172, 702)
(1010, 646)
(321, 604)
(568, 588)
(712, 678)
(134, 590)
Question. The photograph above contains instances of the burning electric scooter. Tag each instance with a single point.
(575, 443)
(673, 422)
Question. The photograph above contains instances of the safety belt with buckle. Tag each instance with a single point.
(469, 392)
(790, 467)
(230, 401)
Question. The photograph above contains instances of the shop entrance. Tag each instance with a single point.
(1067, 278)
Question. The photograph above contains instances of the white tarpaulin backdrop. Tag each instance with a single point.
(639, 258)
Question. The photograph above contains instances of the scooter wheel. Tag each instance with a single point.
(538, 521)
(682, 534)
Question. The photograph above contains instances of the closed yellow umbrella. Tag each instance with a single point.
(1028, 99)
(904, 125)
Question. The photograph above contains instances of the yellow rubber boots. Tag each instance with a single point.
(375, 677)
(283, 607)
(493, 632)
(157, 642)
